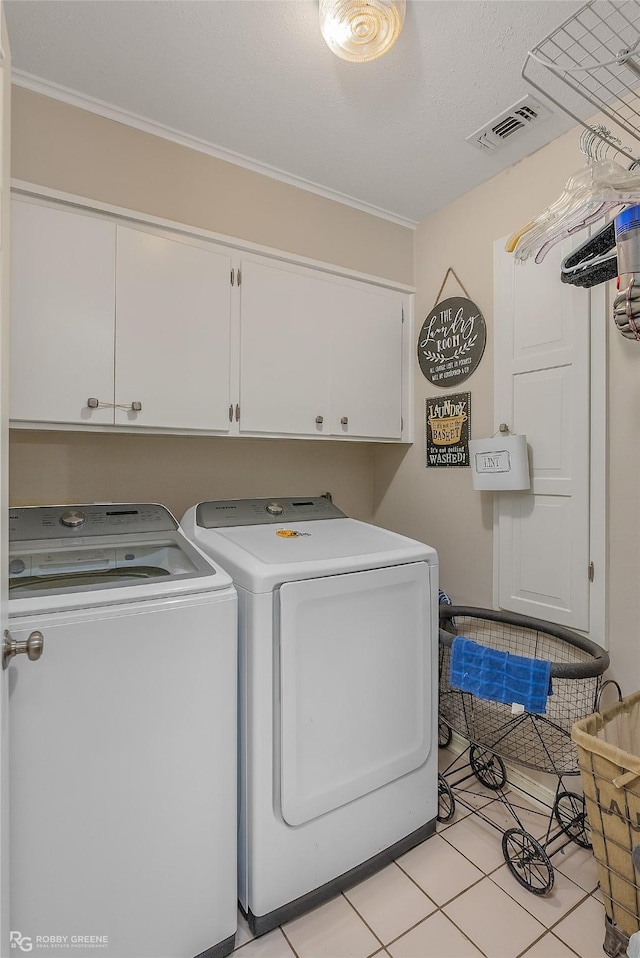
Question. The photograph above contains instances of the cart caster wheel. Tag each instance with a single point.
(527, 861)
(444, 734)
(446, 801)
(571, 814)
(488, 768)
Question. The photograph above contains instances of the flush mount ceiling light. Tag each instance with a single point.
(358, 30)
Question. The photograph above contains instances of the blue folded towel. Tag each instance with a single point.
(500, 676)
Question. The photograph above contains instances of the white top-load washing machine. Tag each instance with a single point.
(338, 695)
(123, 748)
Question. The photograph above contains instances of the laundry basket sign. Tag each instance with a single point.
(447, 429)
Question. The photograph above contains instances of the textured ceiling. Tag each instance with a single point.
(255, 77)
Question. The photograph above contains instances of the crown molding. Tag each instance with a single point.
(90, 104)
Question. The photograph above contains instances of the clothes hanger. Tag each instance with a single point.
(589, 194)
(574, 183)
(590, 146)
(605, 187)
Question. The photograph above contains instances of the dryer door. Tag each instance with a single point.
(355, 685)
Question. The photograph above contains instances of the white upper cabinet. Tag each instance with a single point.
(284, 350)
(116, 325)
(366, 362)
(132, 326)
(319, 354)
(62, 309)
(173, 310)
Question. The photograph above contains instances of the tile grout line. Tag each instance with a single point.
(377, 937)
(580, 901)
(486, 874)
(523, 954)
(281, 927)
(453, 898)
(437, 908)
(463, 933)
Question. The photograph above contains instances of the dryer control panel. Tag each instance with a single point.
(253, 512)
(68, 522)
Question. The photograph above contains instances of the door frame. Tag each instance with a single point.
(5, 207)
(598, 551)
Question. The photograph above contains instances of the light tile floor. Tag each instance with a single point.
(451, 897)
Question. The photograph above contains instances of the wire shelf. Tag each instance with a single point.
(595, 52)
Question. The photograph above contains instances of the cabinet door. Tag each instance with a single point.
(62, 309)
(366, 362)
(173, 312)
(285, 331)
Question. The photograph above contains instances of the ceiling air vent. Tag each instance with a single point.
(512, 122)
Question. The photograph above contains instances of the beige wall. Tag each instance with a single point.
(438, 505)
(65, 148)
(68, 149)
(54, 467)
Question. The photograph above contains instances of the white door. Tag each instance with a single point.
(542, 333)
(355, 681)
(285, 337)
(173, 320)
(62, 324)
(366, 362)
(5, 182)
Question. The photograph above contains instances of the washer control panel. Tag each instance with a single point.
(253, 512)
(70, 522)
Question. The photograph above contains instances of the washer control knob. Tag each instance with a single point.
(73, 519)
(274, 508)
(16, 567)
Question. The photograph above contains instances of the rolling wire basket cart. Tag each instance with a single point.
(496, 734)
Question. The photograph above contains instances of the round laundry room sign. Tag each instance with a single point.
(451, 341)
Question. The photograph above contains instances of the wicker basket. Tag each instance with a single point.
(608, 746)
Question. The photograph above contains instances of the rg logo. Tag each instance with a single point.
(20, 941)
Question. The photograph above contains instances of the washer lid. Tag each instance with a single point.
(133, 554)
(264, 556)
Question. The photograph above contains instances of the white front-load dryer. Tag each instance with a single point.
(338, 696)
(122, 736)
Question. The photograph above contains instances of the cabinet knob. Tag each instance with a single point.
(93, 403)
(344, 421)
(136, 407)
(319, 420)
